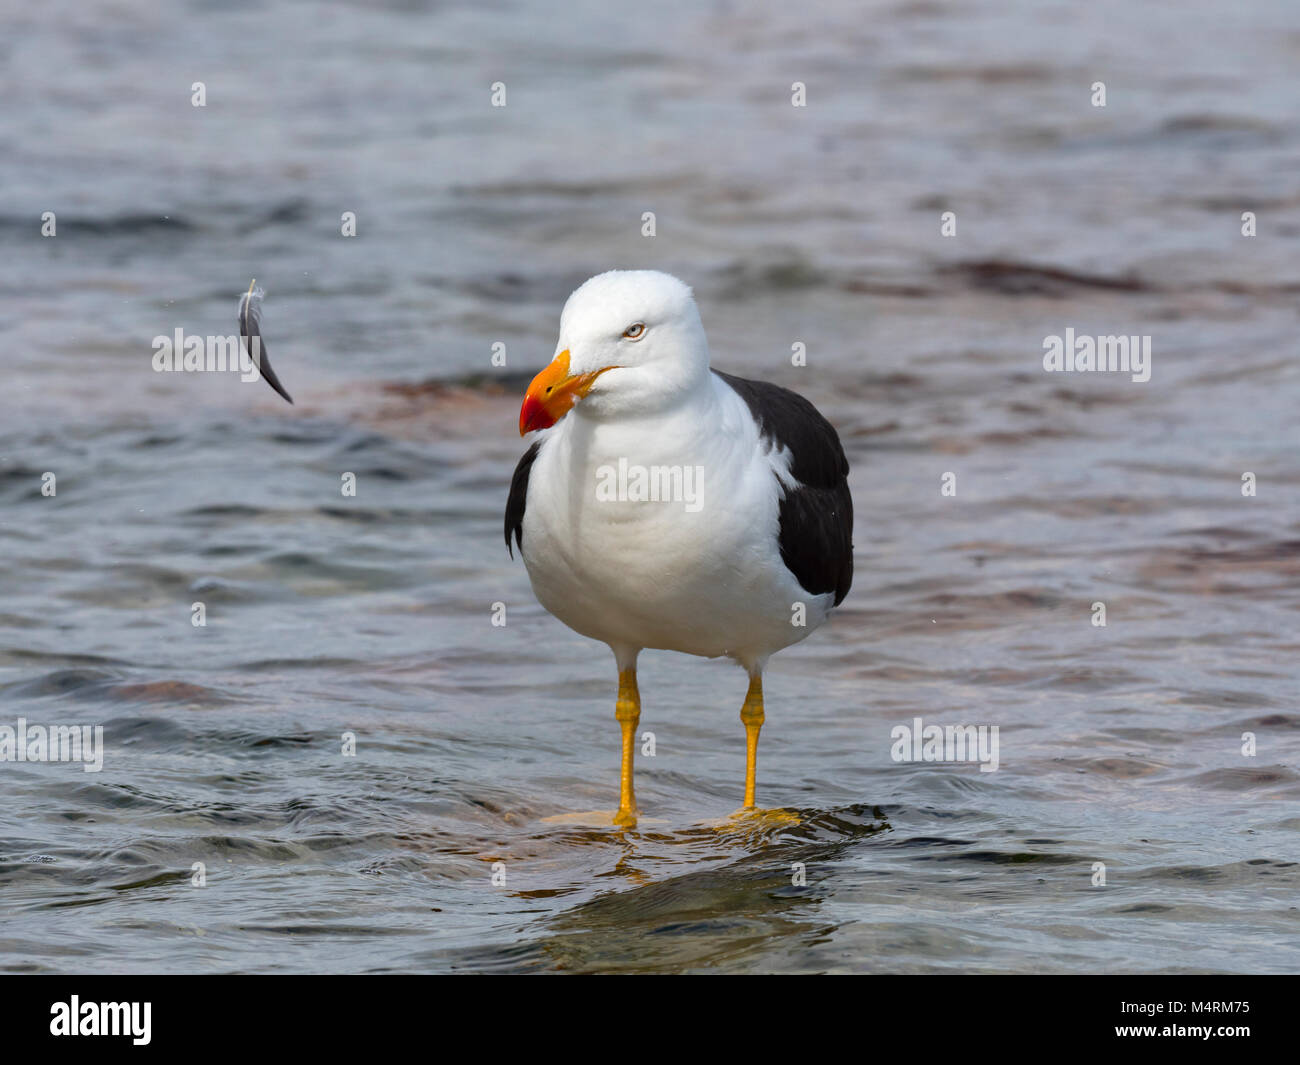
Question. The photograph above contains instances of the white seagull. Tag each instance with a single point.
(669, 506)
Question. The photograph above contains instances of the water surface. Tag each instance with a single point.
(372, 615)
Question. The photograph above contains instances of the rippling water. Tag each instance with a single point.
(372, 615)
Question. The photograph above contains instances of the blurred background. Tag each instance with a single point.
(817, 225)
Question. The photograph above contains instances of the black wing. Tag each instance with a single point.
(519, 499)
(816, 517)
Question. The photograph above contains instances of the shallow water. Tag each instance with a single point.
(372, 615)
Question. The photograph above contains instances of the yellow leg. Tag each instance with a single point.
(628, 712)
(752, 716)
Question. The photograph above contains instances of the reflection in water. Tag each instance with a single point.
(739, 896)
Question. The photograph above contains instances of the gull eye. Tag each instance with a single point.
(635, 332)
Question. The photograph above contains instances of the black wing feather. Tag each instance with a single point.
(816, 535)
(250, 332)
(519, 499)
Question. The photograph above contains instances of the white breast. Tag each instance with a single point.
(699, 572)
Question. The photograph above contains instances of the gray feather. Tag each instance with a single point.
(250, 333)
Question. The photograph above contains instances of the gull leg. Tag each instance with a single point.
(752, 716)
(749, 822)
(628, 712)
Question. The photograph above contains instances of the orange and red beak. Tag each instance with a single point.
(552, 393)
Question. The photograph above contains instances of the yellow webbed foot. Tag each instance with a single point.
(601, 819)
(751, 823)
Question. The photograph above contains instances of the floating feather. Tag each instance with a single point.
(250, 332)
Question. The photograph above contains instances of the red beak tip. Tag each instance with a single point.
(532, 415)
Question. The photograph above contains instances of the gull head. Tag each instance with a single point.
(631, 342)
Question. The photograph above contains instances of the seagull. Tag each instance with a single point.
(669, 506)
